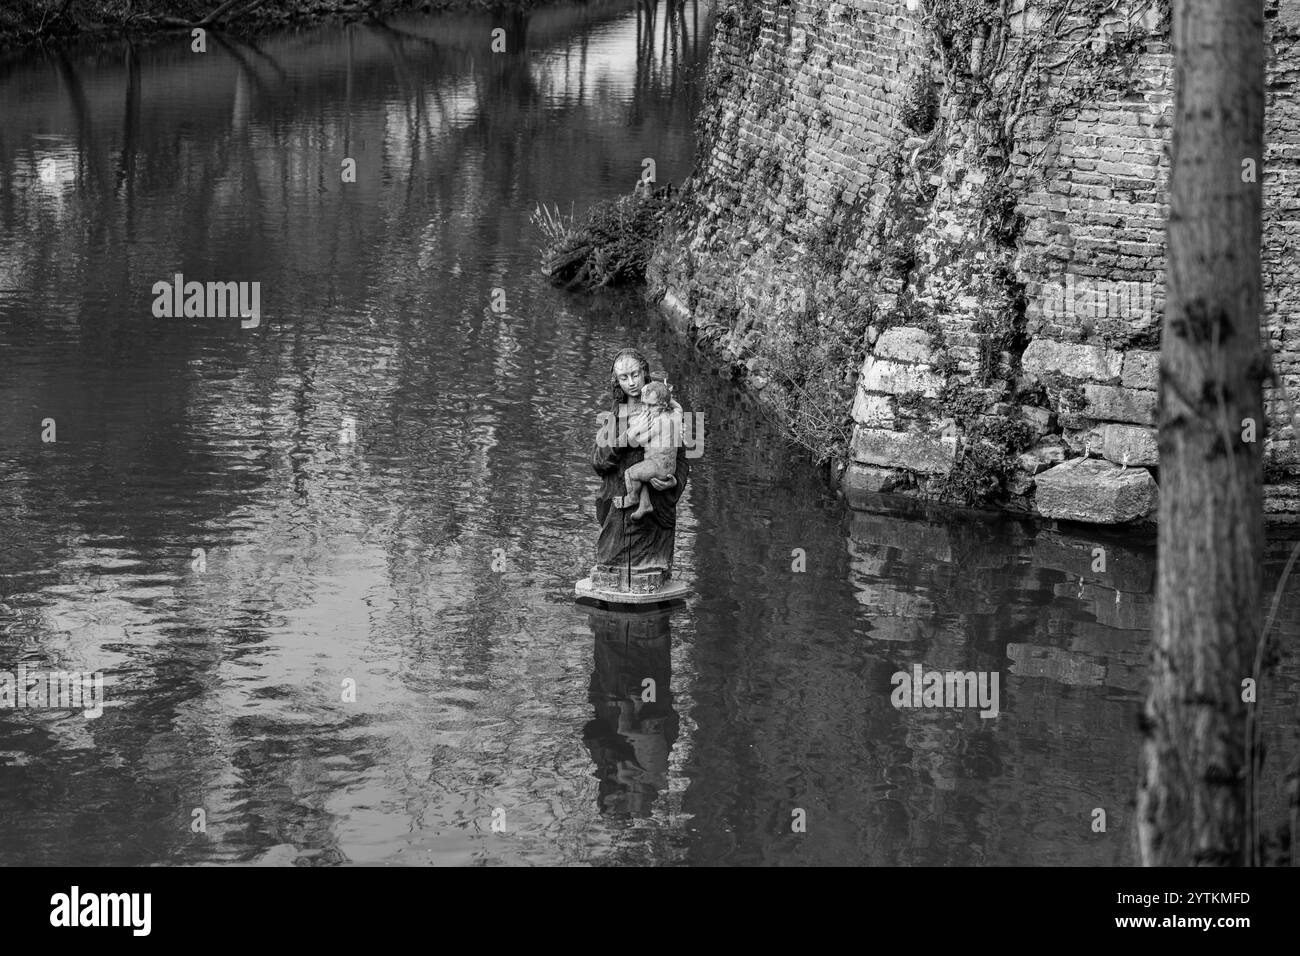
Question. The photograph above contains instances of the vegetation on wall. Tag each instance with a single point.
(801, 347)
(920, 109)
(994, 70)
(997, 69)
(815, 369)
(1003, 83)
(987, 461)
(610, 246)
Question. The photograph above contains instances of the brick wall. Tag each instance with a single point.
(811, 192)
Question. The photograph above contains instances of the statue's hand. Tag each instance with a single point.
(663, 484)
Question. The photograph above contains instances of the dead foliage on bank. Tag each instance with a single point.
(611, 246)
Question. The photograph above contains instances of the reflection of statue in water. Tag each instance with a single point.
(634, 552)
(635, 725)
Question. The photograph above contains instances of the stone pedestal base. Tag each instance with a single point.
(638, 580)
(643, 586)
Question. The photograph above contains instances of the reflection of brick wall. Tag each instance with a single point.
(1066, 620)
(804, 141)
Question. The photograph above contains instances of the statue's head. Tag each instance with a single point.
(629, 373)
(655, 393)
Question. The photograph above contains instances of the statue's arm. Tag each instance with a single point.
(604, 459)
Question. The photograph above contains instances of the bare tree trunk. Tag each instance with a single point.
(1191, 801)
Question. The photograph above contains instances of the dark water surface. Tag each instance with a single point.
(390, 485)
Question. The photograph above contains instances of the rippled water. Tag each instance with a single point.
(386, 483)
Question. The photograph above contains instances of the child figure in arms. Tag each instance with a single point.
(657, 430)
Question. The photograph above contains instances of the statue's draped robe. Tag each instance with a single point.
(646, 543)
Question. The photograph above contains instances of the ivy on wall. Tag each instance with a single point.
(1002, 75)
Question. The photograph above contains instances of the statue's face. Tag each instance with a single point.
(628, 372)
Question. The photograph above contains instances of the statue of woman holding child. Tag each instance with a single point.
(641, 458)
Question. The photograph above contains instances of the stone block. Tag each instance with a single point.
(1020, 485)
(920, 453)
(1082, 441)
(882, 375)
(1110, 403)
(1039, 419)
(1130, 444)
(1088, 489)
(1051, 450)
(1032, 464)
(1141, 370)
(1085, 363)
(874, 411)
(906, 344)
(870, 479)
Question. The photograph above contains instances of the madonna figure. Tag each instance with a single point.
(634, 551)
